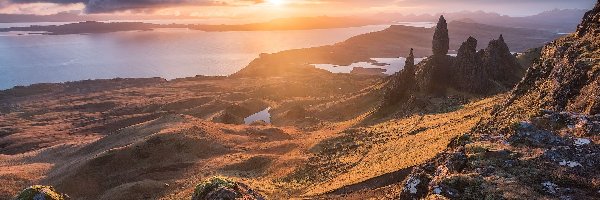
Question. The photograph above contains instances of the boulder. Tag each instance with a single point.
(224, 189)
(41, 192)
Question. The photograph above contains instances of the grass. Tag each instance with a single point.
(359, 154)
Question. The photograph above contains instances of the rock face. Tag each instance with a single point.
(590, 23)
(501, 65)
(435, 76)
(488, 71)
(409, 64)
(441, 40)
(469, 67)
(567, 76)
(402, 84)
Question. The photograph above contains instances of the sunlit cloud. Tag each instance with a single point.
(39, 8)
(281, 7)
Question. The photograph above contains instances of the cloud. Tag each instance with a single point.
(107, 6)
(503, 6)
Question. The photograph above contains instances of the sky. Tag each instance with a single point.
(282, 8)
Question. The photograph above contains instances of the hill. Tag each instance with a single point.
(541, 142)
(395, 41)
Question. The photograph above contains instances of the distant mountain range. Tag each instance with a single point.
(558, 21)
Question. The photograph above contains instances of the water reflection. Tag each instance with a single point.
(263, 115)
(170, 54)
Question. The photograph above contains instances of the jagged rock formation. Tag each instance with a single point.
(469, 67)
(545, 140)
(434, 75)
(489, 71)
(501, 65)
(402, 84)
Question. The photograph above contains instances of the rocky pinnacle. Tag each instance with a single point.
(441, 41)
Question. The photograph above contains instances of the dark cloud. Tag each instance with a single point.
(107, 6)
(501, 6)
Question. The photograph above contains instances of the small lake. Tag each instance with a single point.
(263, 115)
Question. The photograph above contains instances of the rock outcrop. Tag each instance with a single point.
(485, 72)
(491, 70)
(591, 23)
(441, 40)
(409, 64)
(402, 84)
(567, 76)
(469, 67)
(222, 188)
(434, 73)
(40, 192)
(501, 65)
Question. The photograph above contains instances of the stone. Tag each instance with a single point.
(501, 65)
(41, 192)
(402, 84)
(591, 22)
(415, 186)
(456, 162)
(441, 40)
(223, 188)
(470, 75)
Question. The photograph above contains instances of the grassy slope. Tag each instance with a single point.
(357, 155)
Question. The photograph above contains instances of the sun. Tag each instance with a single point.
(276, 2)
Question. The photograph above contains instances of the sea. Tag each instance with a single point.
(169, 53)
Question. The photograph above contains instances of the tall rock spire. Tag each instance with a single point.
(441, 41)
(409, 65)
(469, 73)
(402, 84)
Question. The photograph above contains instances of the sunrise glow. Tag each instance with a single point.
(276, 2)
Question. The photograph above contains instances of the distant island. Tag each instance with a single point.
(304, 23)
(557, 20)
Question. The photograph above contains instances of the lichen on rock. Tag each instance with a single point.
(40, 192)
(226, 189)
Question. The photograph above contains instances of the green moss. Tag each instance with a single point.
(476, 148)
(461, 140)
(471, 187)
(213, 183)
(37, 191)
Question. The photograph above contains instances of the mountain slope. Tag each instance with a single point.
(542, 143)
